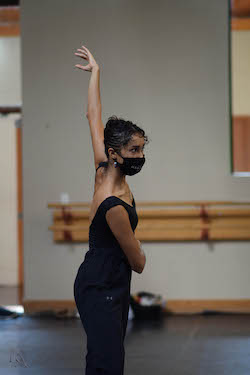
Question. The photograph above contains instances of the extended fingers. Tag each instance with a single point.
(85, 48)
(81, 55)
(80, 67)
(81, 50)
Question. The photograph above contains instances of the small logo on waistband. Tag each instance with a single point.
(109, 297)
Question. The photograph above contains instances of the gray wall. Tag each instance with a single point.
(164, 65)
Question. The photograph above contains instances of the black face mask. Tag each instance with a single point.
(131, 166)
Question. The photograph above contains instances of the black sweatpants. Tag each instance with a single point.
(104, 316)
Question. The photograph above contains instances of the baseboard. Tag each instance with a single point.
(171, 307)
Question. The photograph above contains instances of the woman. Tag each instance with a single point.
(102, 283)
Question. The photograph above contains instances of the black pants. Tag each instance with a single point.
(104, 316)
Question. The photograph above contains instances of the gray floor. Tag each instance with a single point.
(177, 345)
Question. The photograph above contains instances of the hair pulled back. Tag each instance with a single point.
(118, 132)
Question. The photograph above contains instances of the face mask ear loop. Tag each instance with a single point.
(116, 163)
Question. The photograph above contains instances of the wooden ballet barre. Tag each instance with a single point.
(5, 110)
(158, 203)
(200, 223)
(58, 228)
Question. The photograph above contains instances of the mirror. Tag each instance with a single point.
(239, 36)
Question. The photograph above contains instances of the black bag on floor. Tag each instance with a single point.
(146, 305)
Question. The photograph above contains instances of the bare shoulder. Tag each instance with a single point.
(100, 194)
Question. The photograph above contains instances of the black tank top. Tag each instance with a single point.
(105, 263)
(100, 234)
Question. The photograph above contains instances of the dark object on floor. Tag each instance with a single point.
(52, 314)
(146, 305)
(7, 314)
(215, 312)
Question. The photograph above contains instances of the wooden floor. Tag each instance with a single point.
(177, 345)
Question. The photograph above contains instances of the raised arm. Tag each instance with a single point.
(94, 111)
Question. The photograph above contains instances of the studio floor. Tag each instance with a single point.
(176, 345)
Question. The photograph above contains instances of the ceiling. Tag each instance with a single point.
(239, 8)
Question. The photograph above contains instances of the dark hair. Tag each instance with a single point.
(118, 132)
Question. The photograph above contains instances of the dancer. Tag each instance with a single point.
(102, 283)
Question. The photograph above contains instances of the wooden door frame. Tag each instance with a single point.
(19, 179)
(4, 111)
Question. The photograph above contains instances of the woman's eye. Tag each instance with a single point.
(135, 149)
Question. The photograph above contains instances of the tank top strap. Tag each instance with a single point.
(110, 202)
(101, 164)
(105, 205)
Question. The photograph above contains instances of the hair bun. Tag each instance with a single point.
(112, 120)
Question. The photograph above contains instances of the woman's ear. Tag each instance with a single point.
(112, 151)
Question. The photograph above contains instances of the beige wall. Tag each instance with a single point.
(164, 65)
(10, 94)
(241, 72)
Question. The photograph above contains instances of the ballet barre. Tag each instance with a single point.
(182, 221)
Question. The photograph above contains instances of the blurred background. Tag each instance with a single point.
(180, 70)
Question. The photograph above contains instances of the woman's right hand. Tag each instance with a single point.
(85, 54)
